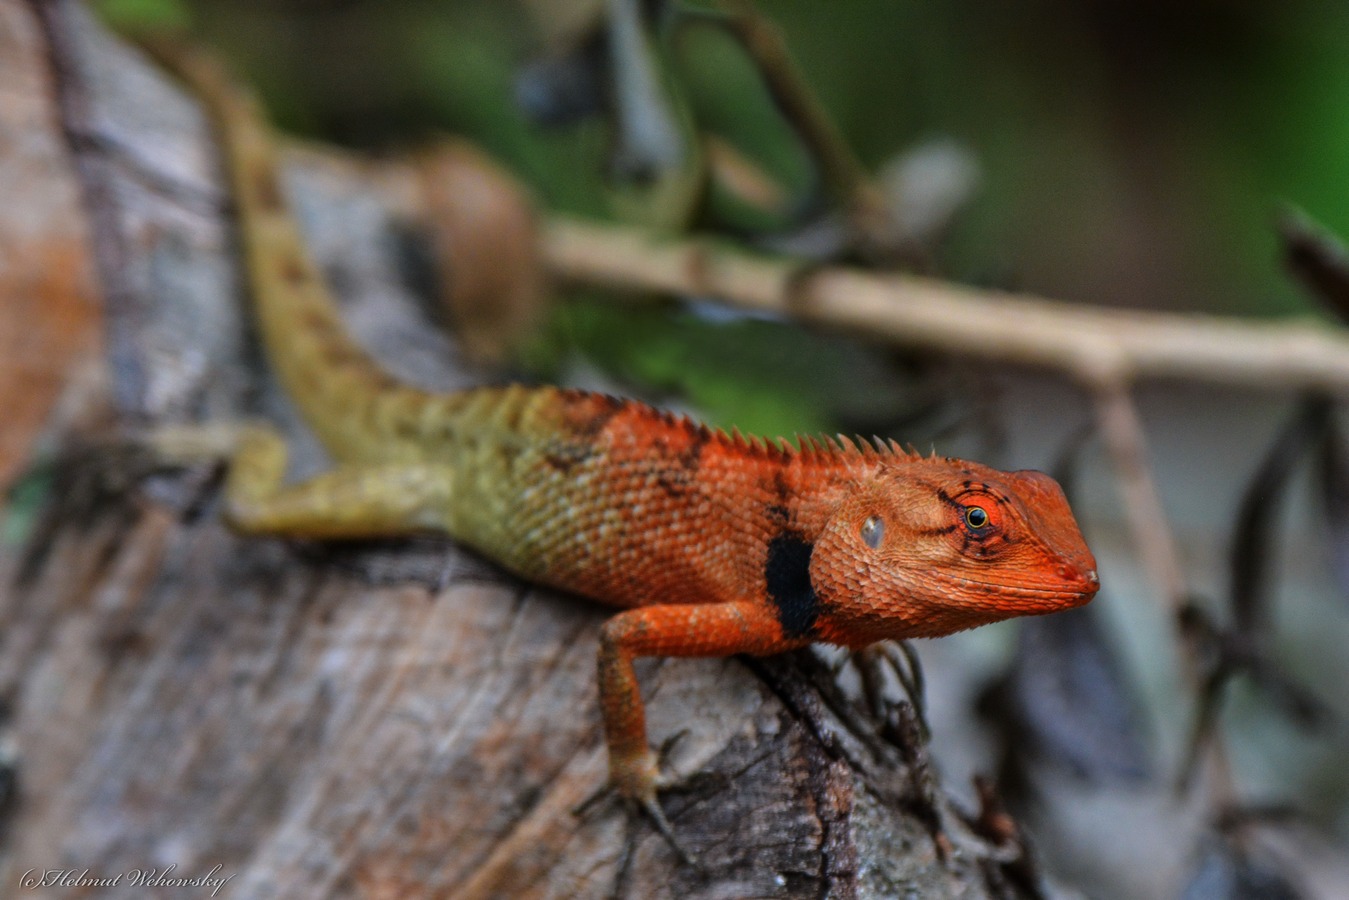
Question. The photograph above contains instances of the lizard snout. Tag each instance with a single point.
(1079, 580)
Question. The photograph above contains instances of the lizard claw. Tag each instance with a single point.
(638, 785)
(190, 445)
(666, 749)
(605, 791)
(648, 806)
(651, 808)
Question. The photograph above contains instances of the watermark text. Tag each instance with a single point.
(165, 877)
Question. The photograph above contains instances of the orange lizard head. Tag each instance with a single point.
(927, 547)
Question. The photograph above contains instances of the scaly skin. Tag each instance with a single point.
(712, 544)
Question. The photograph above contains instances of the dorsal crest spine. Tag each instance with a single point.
(810, 447)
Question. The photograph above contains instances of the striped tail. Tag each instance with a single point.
(340, 389)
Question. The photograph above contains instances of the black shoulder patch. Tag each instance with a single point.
(787, 574)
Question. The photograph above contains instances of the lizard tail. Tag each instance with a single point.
(333, 380)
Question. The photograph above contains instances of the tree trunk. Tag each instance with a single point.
(378, 720)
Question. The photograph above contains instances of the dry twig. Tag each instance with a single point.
(1091, 346)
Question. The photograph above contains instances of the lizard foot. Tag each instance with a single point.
(638, 783)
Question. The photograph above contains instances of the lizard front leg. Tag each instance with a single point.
(350, 501)
(711, 630)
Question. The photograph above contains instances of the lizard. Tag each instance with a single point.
(708, 543)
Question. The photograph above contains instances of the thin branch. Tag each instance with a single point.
(1091, 346)
(843, 174)
(1318, 259)
(1126, 444)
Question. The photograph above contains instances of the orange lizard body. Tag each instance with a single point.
(712, 544)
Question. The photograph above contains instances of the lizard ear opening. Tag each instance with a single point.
(873, 531)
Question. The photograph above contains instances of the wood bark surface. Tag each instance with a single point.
(373, 720)
(46, 274)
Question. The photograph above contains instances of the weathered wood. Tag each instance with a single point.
(375, 720)
(49, 314)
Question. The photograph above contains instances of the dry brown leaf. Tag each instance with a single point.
(485, 235)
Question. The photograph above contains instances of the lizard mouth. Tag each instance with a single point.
(1073, 592)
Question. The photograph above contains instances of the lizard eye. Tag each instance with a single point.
(976, 517)
(873, 529)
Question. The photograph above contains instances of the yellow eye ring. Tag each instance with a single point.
(976, 517)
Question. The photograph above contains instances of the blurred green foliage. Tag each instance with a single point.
(23, 503)
(760, 376)
(146, 13)
(1132, 153)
